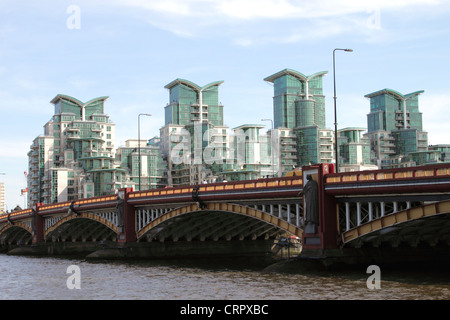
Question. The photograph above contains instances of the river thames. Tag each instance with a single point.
(50, 278)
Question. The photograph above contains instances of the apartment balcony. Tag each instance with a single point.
(73, 137)
(399, 115)
(326, 143)
(91, 150)
(288, 142)
(386, 138)
(387, 145)
(400, 125)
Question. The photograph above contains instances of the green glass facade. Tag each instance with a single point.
(395, 128)
(75, 156)
(388, 109)
(308, 144)
(299, 106)
(185, 98)
(194, 140)
(354, 148)
(153, 172)
(298, 99)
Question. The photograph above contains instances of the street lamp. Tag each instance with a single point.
(271, 149)
(139, 144)
(335, 113)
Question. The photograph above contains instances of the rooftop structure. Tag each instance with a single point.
(298, 99)
(190, 102)
(395, 127)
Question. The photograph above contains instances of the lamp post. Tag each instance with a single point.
(335, 113)
(139, 144)
(271, 147)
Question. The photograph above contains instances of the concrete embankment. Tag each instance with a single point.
(180, 249)
(141, 250)
(54, 249)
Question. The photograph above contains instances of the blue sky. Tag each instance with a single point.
(129, 50)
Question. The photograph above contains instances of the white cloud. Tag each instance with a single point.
(246, 22)
(249, 9)
(277, 9)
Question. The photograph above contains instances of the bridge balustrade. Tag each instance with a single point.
(221, 187)
(355, 214)
(438, 170)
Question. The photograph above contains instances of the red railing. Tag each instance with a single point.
(438, 170)
(223, 186)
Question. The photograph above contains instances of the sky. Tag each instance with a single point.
(129, 50)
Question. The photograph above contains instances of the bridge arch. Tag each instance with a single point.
(81, 227)
(429, 223)
(17, 233)
(215, 221)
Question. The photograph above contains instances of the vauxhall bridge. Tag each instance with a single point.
(378, 215)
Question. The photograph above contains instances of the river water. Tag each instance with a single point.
(46, 278)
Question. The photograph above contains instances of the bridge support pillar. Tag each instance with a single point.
(127, 220)
(325, 234)
(38, 225)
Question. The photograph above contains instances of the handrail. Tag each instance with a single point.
(182, 190)
(15, 213)
(83, 201)
(222, 186)
(389, 174)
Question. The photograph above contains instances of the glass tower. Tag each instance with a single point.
(75, 156)
(299, 106)
(185, 100)
(395, 127)
(194, 139)
(298, 99)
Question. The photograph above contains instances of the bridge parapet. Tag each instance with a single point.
(423, 179)
(259, 189)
